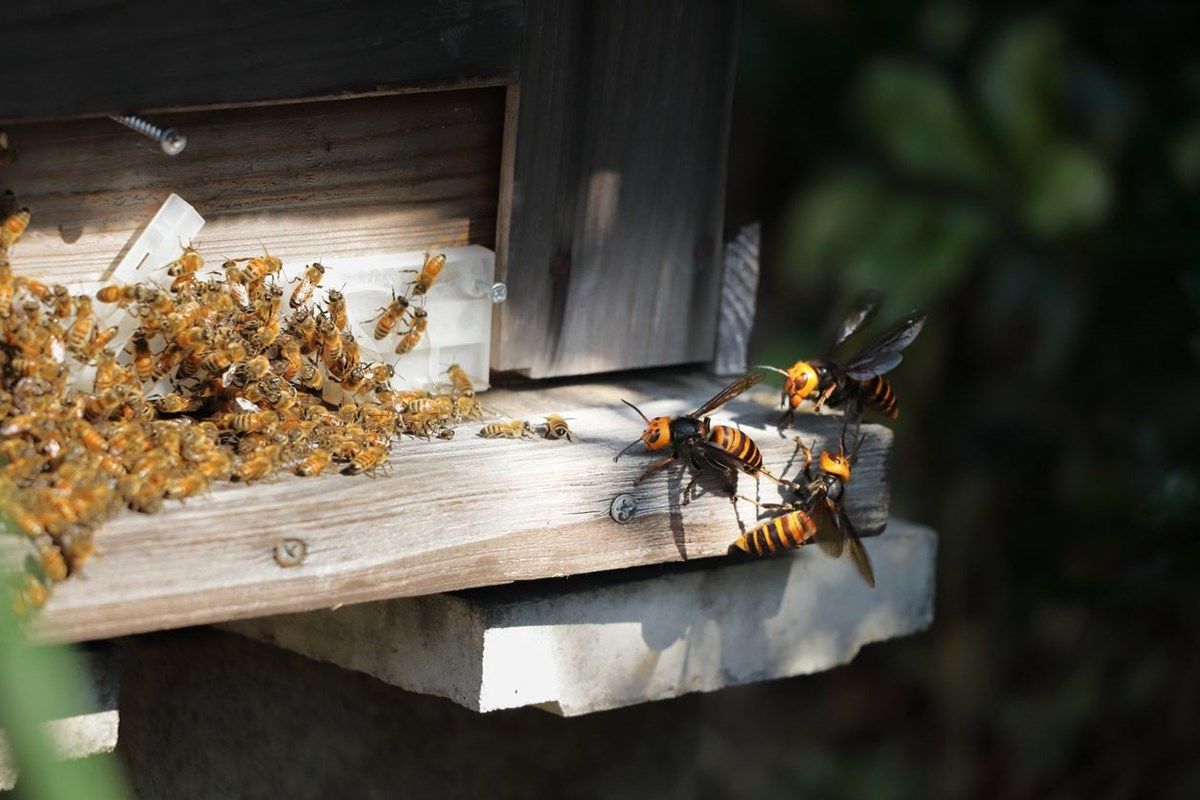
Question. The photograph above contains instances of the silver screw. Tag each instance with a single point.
(498, 292)
(171, 140)
(624, 506)
(290, 552)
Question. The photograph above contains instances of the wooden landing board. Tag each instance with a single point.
(611, 213)
(309, 181)
(450, 515)
(82, 57)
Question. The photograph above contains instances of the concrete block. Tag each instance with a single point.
(590, 643)
(92, 728)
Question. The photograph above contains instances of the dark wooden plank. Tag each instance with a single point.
(610, 228)
(81, 57)
(449, 515)
(308, 180)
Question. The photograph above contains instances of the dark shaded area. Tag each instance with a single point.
(1030, 176)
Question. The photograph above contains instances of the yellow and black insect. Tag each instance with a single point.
(818, 514)
(858, 382)
(556, 427)
(692, 438)
(510, 429)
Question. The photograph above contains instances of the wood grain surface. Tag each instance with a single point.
(609, 234)
(73, 58)
(448, 515)
(307, 181)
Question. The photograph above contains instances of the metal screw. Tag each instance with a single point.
(624, 506)
(498, 292)
(290, 552)
(171, 140)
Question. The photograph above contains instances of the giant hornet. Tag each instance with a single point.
(817, 513)
(704, 445)
(855, 383)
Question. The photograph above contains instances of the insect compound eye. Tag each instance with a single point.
(653, 437)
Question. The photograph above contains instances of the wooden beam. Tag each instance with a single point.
(82, 57)
(308, 181)
(611, 225)
(450, 515)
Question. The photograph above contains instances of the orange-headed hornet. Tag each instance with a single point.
(817, 513)
(704, 445)
(858, 382)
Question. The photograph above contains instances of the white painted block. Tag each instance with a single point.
(597, 642)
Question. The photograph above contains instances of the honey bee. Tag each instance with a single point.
(460, 381)
(184, 269)
(410, 340)
(335, 307)
(510, 429)
(303, 325)
(314, 463)
(99, 340)
(354, 380)
(429, 271)
(311, 377)
(175, 403)
(186, 485)
(331, 344)
(389, 316)
(381, 373)
(441, 406)
(249, 421)
(351, 352)
(253, 370)
(12, 229)
(446, 433)
(193, 339)
(121, 294)
(259, 465)
(259, 268)
(80, 331)
(309, 281)
(370, 459)
(556, 427)
(290, 359)
(467, 408)
(61, 300)
(143, 357)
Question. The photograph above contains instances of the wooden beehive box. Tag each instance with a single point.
(584, 142)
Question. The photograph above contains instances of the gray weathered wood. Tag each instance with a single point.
(89, 57)
(609, 237)
(449, 515)
(313, 180)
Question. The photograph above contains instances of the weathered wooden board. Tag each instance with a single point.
(308, 181)
(450, 515)
(609, 230)
(89, 57)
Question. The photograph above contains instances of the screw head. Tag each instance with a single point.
(290, 552)
(173, 142)
(498, 292)
(623, 507)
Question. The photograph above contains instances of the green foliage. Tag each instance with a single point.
(38, 683)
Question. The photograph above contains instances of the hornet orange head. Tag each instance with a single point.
(656, 436)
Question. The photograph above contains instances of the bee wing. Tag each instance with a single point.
(884, 353)
(864, 309)
(729, 392)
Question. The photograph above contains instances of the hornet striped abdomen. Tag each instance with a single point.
(738, 445)
(877, 394)
(784, 532)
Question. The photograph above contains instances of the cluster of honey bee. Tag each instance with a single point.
(403, 310)
(247, 373)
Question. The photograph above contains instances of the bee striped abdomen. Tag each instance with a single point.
(738, 445)
(878, 394)
(785, 532)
